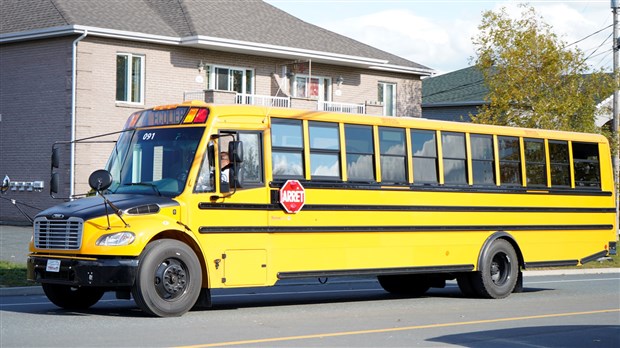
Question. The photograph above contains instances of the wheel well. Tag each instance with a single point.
(183, 237)
(500, 235)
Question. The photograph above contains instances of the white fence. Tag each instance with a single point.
(342, 107)
(264, 100)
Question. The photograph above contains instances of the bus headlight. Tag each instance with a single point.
(116, 239)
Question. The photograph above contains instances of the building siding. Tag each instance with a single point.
(35, 99)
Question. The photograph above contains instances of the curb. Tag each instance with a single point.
(38, 290)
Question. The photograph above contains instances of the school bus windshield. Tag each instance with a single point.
(153, 161)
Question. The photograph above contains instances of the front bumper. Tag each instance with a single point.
(111, 273)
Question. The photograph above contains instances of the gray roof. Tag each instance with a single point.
(461, 87)
(246, 21)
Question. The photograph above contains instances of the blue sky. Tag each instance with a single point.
(438, 33)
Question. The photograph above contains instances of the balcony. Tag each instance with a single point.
(342, 107)
(263, 100)
(229, 97)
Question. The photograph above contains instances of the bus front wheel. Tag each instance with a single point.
(168, 279)
(498, 271)
(72, 298)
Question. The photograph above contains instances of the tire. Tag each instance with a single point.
(498, 271)
(408, 285)
(168, 280)
(72, 298)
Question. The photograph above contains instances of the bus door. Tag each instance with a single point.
(240, 209)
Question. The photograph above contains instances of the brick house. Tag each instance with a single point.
(74, 69)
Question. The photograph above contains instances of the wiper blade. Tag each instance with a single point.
(153, 186)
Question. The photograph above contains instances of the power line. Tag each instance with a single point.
(594, 33)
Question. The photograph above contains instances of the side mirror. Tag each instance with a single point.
(54, 183)
(100, 180)
(55, 158)
(235, 151)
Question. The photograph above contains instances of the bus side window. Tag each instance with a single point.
(560, 164)
(324, 150)
(393, 155)
(535, 162)
(454, 159)
(482, 159)
(585, 159)
(424, 151)
(287, 148)
(509, 161)
(251, 171)
(360, 153)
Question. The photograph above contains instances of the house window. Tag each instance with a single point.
(223, 78)
(129, 78)
(313, 88)
(387, 96)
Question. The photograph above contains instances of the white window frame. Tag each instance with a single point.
(128, 79)
(212, 78)
(383, 98)
(325, 87)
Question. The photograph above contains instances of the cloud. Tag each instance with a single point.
(401, 32)
(441, 39)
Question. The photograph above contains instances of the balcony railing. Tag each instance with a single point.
(194, 95)
(264, 100)
(342, 107)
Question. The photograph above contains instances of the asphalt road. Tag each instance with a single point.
(554, 311)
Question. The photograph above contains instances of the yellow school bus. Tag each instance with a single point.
(411, 201)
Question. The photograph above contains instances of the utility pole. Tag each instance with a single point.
(616, 106)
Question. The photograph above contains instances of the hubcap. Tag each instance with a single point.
(500, 269)
(171, 279)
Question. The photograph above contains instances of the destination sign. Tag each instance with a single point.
(150, 118)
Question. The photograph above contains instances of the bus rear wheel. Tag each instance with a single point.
(72, 298)
(498, 271)
(168, 279)
(407, 284)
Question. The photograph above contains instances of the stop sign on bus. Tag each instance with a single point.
(292, 196)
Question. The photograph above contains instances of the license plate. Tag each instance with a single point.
(53, 266)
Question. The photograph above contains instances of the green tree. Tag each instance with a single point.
(534, 79)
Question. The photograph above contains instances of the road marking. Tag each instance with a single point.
(394, 329)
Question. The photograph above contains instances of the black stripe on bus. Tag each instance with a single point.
(563, 263)
(594, 257)
(338, 229)
(424, 208)
(440, 188)
(376, 271)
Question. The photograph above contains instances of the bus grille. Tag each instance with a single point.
(58, 234)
